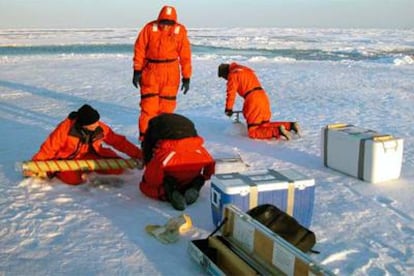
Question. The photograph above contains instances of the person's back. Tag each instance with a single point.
(242, 79)
(183, 159)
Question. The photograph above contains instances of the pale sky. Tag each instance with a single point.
(208, 13)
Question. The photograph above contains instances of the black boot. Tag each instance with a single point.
(176, 199)
(191, 194)
(284, 133)
(294, 126)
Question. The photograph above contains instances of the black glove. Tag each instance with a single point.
(228, 112)
(185, 85)
(140, 163)
(136, 78)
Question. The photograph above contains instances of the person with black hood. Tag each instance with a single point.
(162, 49)
(81, 136)
(177, 164)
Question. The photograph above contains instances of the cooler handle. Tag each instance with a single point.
(392, 146)
(382, 138)
(215, 198)
(385, 140)
(337, 125)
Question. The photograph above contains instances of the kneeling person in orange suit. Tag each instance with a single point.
(176, 162)
(81, 136)
(256, 106)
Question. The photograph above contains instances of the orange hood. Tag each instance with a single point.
(168, 13)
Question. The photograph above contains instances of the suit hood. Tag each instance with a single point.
(168, 13)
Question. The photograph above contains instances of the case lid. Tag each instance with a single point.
(360, 133)
(263, 180)
(270, 251)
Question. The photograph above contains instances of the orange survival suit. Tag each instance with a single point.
(181, 155)
(256, 107)
(161, 49)
(69, 141)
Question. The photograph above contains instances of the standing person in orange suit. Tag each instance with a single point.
(256, 106)
(82, 136)
(161, 50)
(176, 162)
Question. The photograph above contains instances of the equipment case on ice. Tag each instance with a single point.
(246, 247)
(288, 189)
(228, 163)
(362, 153)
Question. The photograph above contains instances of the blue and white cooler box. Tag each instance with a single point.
(287, 189)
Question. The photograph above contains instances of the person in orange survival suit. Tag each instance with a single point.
(161, 49)
(79, 137)
(176, 162)
(256, 106)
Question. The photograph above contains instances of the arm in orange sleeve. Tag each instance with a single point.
(184, 52)
(51, 146)
(232, 87)
(140, 49)
(210, 164)
(152, 183)
(120, 143)
(209, 170)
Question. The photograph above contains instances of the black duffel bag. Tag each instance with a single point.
(285, 226)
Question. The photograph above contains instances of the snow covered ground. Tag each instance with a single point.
(317, 77)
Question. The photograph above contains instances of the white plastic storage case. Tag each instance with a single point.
(362, 153)
(247, 247)
(287, 189)
(227, 163)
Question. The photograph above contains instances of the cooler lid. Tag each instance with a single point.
(358, 132)
(264, 180)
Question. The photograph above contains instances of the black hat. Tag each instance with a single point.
(87, 115)
(223, 70)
